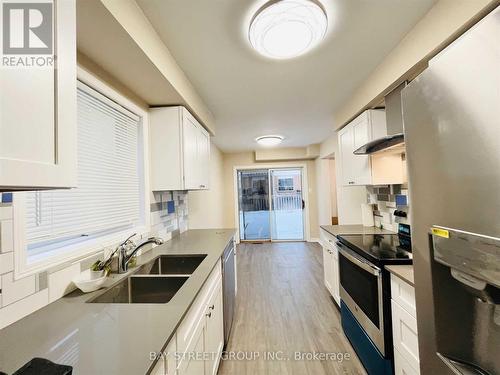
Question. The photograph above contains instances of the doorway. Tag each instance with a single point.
(271, 204)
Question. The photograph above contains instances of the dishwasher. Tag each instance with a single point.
(229, 288)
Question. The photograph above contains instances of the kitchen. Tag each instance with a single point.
(184, 196)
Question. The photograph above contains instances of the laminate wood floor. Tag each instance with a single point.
(283, 306)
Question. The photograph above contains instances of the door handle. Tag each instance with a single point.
(303, 204)
(353, 258)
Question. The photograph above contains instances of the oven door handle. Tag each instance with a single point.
(351, 255)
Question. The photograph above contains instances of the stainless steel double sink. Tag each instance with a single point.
(154, 282)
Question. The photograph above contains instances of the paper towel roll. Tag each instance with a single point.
(367, 215)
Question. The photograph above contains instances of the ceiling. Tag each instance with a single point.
(92, 19)
(251, 95)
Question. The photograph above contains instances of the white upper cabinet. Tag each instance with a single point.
(190, 139)
(180, 150)
(204, 158)
(357, 169)
(38, 103)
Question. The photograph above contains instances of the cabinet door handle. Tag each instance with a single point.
(208, 315)
(211, 307)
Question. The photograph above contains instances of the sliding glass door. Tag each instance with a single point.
(253, 200)
(271, 205)
(287, 205)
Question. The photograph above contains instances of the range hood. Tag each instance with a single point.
(381, 144)
(394, 116)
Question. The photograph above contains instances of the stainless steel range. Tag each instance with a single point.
(365, 293)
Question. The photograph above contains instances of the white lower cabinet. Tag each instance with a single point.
(336, 275)
(403, 294)
(160, 368)
(402, 366)
(404, 328)
(196, 347)
(200, 336)
(214, 339)
(170, 359)
(167, 364)
(193, 363)
(331, 265)
(327, 269)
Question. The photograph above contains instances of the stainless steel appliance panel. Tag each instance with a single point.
(229, 288)
(361, 290)
(452, 131)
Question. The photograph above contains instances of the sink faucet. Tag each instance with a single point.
(124, 257)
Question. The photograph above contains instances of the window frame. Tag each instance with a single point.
(25, 265)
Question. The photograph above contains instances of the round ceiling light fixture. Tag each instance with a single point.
(282, 29)
(269, 140)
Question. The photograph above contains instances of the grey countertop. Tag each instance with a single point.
(404, 272)
(98, 338)
(337, 230)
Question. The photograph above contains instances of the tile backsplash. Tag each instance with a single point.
(388, 200)
(19, 298)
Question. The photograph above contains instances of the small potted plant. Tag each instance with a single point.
(99, 269)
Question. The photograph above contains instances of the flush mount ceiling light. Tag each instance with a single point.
(269, 140)
(283, 29)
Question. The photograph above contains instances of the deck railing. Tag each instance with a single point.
(291, 201)
(287, 202)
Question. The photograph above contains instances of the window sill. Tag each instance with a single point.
(30, 265)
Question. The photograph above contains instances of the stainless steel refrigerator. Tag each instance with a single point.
(452, 133)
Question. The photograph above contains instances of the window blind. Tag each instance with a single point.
(108, 195)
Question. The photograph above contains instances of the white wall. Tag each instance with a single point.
(323, 187)
(333, 186)
(443, 23)
(349, 198)
(206, 208)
